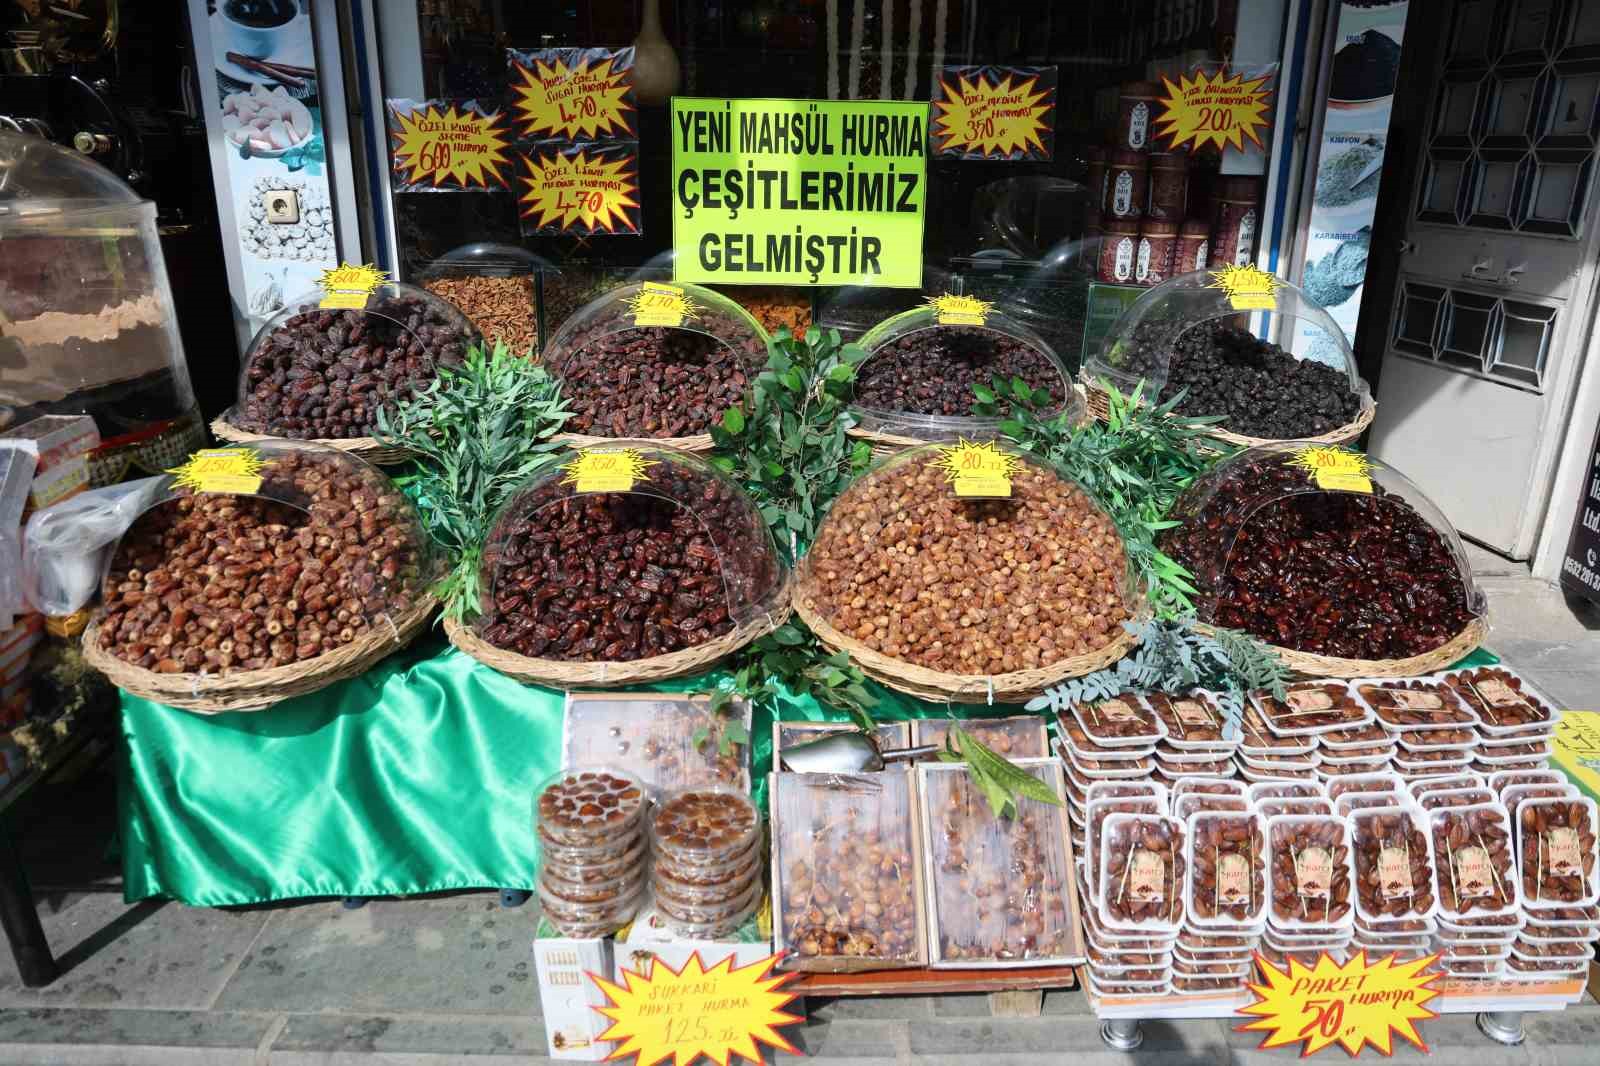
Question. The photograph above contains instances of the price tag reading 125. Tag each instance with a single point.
(615, 470)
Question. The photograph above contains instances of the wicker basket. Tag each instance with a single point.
(700, 442)
(254, 690)
(1451, 651)
(366, 448)
(1099, 407)
(555, 673)
(1020, 686)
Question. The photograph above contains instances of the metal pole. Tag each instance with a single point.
(1122, 1034)
(1502, 1026)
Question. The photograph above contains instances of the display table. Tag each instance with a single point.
(416, 777)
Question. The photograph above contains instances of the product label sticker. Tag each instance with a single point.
(1138, 125)
(1147, 876)
(606, 471)
(1309, 701)
(1141, 268)
(348, 287)
(1193, 712)
(1338, 469)
(1122, 194)
(1248, 288)
(221, 470)
(1474, 873)
(1563, 853)
(1410, 699)
(978, 471)
(1394, 872)
(1122, 265)
(661, 305)
(1313, 873)
(960, 310)
(1233, 881)
(1499, 694)
(1115, 711)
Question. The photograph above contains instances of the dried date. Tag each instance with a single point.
(932, 371)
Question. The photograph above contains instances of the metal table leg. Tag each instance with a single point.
(1502, 1026)
(35, 964)
(1122, 1034)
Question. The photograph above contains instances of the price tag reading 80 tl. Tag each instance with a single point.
(607, 471)
(978, 471)
(1338, 469)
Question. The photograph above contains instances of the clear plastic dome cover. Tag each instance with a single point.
(486, 259)
(1146, 339)
(1049, 295)
(86, 314)
(680, 558)
(1236, 494)
(315, 373)
(854, 309)
(917, 381)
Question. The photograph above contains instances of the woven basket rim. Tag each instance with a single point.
(369, 448)
(1098, 408)
(1456, 648)
(699, 442)
(918, 680)
(255, 690)
(558, 673)
(879, 437)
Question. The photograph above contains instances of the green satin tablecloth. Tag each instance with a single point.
(416, 777)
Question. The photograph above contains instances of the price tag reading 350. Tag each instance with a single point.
(614, 470)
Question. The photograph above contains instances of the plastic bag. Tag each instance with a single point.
(63, 548)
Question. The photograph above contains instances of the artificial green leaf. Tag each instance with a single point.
(733, 420)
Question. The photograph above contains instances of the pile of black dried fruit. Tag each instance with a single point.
(324, 374)
(653, 381)
(1329, 573)
(619, 576)
(1260, 389)
(932, 371)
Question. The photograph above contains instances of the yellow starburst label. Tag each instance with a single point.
(1000, 112)
(574, 94)
(349, 286)
(573, 190)
(1577, 750)
(1353, 1005)
(221, 470)
(978, 471)
(433, 146)
(656, 304)
(1333, 468)
(610, 470)
(1218, 109)
(1249, 288)
(684, 1014)
(960, 310)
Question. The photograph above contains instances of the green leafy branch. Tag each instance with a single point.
(479, 431)
(1001, 781)
(791, 658)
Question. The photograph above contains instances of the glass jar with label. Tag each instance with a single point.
(1236, 221)
(1095, 178)
(1169, 185)
(1127, 185)
(1157, 243)
(1119, 247)
(1194, 246)
(1136, 115)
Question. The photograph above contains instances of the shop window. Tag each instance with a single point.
(1513, 103)
(1441, 187)
(1583, 32)
(1557, 199)
(1458, 103)
(1494, 195)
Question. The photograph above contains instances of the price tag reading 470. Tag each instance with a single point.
(1352, 1005)
(683, 1014)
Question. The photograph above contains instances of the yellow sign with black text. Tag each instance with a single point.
(1353, 1004)
(1577, 750)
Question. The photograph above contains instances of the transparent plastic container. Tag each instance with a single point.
(1194, 802)
(1120, 722)
(700, 916)
(1467, 779)
(1257, 740)
(1110, 769)
(1285, 789)
(497, 287)
(383, 353)
(1556, 852)
(1505, 703)
(1099, 810)
(1140, 885)
(705, 826)
(712, 566)
(1414, 704)
(1394, 864)
(1197, 786)
(1475, 863)
(1270, 765)
(1192, 720)
(1514, 795)
(1498, 782)
(1454, 797)
(1085, 747)
(1460, 741)
(1310, 879)
(1261, 501)
(306, 492)
(1191, 314)
(1312, 707)
(1226, 869)
(589, 919)
(897, 396)
(592, 893)
(1362, 801)
(667, 885)
(1017, 737)
(624, 377)
(1381, 781)
(853, 310)
(590, 808)
(1271, 808)
(689, 880)
(87, 319)
(1356, 737)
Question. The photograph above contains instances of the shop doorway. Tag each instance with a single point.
(1493, 238)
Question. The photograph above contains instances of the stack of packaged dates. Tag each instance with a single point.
(1555, 841)
(1200, 742)
(1327, 715)
(1310, 884)
(1225, 901)
(592, 849)
(1137, 868)
(1474, 865)
(707, 872)
(1091, 803)
(1431, 730)
(1108, 740)
(1396, 897)
(1263, 755)
(1515, 723)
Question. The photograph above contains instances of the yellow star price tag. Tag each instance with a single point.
(1248, 288)
(347, 287)
(960, 310)
(221, 470)
(607, 471)
(1353, 1005)
(656, 304)
(1339, 469)
(681, 1015)
(978, 471)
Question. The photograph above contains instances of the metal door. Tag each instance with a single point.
(1492, 299)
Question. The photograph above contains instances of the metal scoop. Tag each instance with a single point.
(849, 752)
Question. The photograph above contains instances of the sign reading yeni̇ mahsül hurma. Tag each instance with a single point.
(798, 192)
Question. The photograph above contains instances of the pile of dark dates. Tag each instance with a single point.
(621, 576)
(325, 374)
(932, 371)
(1328, 573)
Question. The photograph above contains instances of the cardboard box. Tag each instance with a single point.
(650, 939)
(567, 997)
(58, 437)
